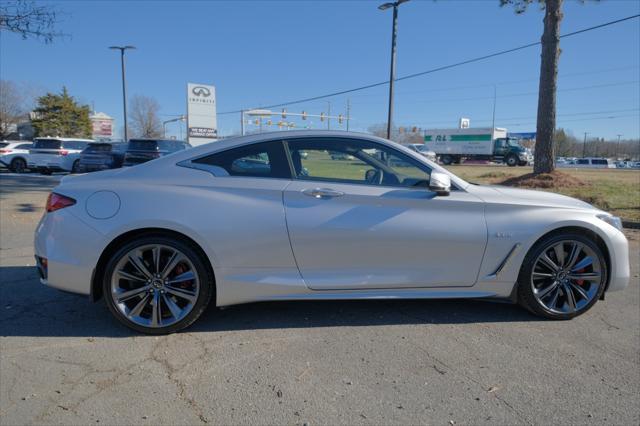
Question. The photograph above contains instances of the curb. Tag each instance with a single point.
(631, 225)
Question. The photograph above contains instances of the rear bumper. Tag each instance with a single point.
(72, 250)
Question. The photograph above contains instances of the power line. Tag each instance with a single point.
(433, 70)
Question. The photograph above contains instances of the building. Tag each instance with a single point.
(102, 126)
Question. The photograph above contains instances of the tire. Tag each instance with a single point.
(511, 160)
(18, 165)
(200, 289)
(446, 160)
(555, 286)
(74, 167)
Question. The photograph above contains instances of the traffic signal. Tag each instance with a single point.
(340, 118)
(304, 115)
(268, 122)
(256, 121)
(322, 116)
(284, 113)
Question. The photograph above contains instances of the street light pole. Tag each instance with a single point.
(124, 87)
(392, 73)
(618, 147)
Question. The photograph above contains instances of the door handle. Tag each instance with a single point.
(322, 193)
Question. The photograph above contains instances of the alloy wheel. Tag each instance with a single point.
(566, 277)
(154, 285)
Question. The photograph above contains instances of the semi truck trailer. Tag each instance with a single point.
(491, 144)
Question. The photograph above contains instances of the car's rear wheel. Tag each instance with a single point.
(446, 160)
(75, 166)
(157, 284)
(18, 165)
(562, 276)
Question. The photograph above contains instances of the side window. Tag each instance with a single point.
(74, 145)
(355, 161)
(24, 146)
(583, 161)
(266, 159)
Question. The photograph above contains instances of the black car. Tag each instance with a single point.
(102, 156)
(143, 150)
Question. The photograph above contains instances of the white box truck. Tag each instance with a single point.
(492, 144)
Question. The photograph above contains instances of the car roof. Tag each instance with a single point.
(63, 139)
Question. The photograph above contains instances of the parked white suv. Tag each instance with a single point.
(14, 154)
(50, 155)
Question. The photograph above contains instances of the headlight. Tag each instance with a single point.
(614, 221)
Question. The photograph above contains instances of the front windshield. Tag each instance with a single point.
(423, 148)
(513, 142)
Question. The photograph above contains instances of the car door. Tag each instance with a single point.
(366, 220)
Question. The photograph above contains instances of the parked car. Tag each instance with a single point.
(595, 163)
(48, 155)
(142, 150)
(422, 149)
(102, 156)
(160, 241)
(14, 154)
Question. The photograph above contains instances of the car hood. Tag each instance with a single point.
(504, 194)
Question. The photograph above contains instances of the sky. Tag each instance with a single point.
(259, 53)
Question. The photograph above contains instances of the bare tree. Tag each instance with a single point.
(12, 107)
(143, 117)
(29, 19)
(545, 161)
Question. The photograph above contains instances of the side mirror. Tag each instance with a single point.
(440, 183)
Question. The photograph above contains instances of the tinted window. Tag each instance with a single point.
(47, 144)
(143, 145)
(266, 159)
(170, 145)
(74, 145)
(355, 161)
(604, 162)
(583, 161)
(98, 147)
(24, 146)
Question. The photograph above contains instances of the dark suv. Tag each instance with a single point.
(143, 150)
(102, 156)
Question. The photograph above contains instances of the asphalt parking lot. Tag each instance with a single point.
(64, 360)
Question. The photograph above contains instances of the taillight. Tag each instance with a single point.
(64, 152)
(57, 202)
(5, 151)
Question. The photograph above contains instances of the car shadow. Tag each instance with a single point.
(29, 308)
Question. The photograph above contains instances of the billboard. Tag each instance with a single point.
(202, 126)
(101, 125)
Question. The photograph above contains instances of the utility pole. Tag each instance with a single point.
(618, 147)
(493, 121)
(584, 145)
(328, 115)
(348, 112)
(124, 87)
(392, 72)
(242, 122)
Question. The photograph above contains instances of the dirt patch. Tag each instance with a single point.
(493, 175)
(553, 180)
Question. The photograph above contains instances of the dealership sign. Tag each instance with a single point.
(201, 114)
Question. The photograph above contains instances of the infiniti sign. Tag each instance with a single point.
(201, 91)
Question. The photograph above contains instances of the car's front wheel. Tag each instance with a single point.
(562, 276)
(157, 284)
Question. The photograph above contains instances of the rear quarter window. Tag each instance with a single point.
(47, 144)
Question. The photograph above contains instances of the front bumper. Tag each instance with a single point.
(72, 250)
(619, 258)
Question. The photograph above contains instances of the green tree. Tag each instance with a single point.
(60, 115)
(545, 160)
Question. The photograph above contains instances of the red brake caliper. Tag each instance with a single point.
(580, 282)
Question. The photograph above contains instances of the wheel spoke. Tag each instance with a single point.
(139, 265)
(126, 295)
(579, 290)
(156, 259)
(554, 298)
(156, 319)
(573, 256)
(559, 251)
(588, 276)
(175, 309)
(588, 260)
(183, 294)
(130, 277)
(571, 299)
(185, 276)
(542, 275)
(542, 293)
(546, 261)
(139, 307)
(173, 262)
